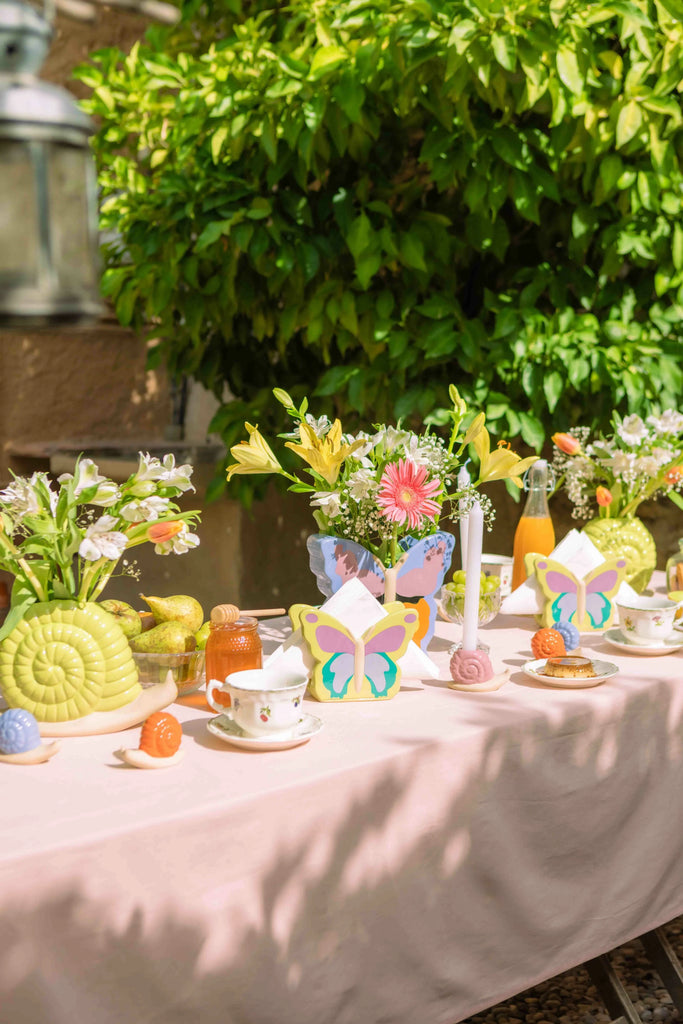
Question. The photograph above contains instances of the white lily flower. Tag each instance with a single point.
(319, 426)
(362, 484)
(622, 463)
(27, 496)
(176, 476)
(178, 545)
(149, 467)
(166, 472)
(328, 502)
(647, 465)
(632, 430)
(145, 510)
(670, 422)
(101, 541)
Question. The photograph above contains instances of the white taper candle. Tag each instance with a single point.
(470, 615)
(464, 480)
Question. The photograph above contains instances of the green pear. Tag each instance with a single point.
(178, 608)
(127, 618)
(166, 638)
(202, 635)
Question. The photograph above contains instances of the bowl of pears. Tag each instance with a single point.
(169, 636)
(451, 599)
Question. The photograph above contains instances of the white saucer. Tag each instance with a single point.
(603, 669)
(615, 638)
(225, 729)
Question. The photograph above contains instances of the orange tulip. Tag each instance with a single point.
(673, 475)
(567, 444)
(159, 533)
(603, 497)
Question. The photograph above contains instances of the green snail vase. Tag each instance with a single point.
(65, 660)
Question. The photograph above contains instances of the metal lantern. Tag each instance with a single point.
(49, 268)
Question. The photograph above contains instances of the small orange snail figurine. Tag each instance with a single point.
(547, 643)
(159, 743)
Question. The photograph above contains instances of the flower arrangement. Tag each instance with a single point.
(56, 545)
(377, 488)
(639, 460)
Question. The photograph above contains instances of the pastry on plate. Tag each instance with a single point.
(568, 668)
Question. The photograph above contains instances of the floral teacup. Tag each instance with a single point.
(647, 620)
(265, 702)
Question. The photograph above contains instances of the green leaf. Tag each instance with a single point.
(217, 141)
(677, 247)
(553, 386)
(628, 123)
(326, 59)
(505, 50)
(568, 70)
(412, 252)
(359, 235)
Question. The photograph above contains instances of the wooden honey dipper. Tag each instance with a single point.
(224, 613)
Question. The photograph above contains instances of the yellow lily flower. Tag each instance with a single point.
(475, 428)
(253, 456)
(323, 454)
(502, 463)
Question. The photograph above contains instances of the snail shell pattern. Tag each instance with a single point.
(161, 735)
(18, 732)
(547, 643)
(65, 660)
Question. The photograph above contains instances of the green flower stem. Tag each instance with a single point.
(31, 578)
(393, 549)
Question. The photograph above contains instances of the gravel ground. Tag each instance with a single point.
(570, 998)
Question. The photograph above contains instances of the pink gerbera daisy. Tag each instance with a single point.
(405, 493)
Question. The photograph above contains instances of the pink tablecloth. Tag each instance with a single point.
(418, 860)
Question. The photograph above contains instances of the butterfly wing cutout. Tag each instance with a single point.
(385, 643)
(561, 589)
(420, 573)
(334, 561)
(601, 584)
(334, 652)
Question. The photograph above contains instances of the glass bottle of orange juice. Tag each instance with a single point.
(534, 531)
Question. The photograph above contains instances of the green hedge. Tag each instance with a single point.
(366, 200)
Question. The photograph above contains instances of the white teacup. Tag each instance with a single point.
(501, 566)
(647, 620)
(265, 702)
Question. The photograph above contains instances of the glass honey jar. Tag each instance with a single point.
(232, 646)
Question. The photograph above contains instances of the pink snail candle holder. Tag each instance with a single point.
(473, 671)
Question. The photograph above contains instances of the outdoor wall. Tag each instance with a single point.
(61, 391)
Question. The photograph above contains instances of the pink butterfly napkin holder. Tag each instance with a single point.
(584, 600)
(364, 651)
(577, 554)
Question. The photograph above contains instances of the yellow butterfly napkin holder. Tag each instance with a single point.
(348, 667)
(586, 601)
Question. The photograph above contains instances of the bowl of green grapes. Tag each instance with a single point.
(451, 600)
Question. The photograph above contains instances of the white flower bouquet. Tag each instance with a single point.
(639, 460)
(57, 545)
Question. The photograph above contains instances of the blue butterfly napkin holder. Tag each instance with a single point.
(415, 580)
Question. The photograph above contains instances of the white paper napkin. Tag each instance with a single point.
(577, 552)
(357, 609)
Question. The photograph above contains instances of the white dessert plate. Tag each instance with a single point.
(603, 670)
(615, 638)
(225, 729)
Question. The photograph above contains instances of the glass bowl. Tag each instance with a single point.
(187, 669)
(451, 605)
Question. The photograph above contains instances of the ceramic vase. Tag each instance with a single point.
(415, 580)
(71, 666)
(627, 537)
